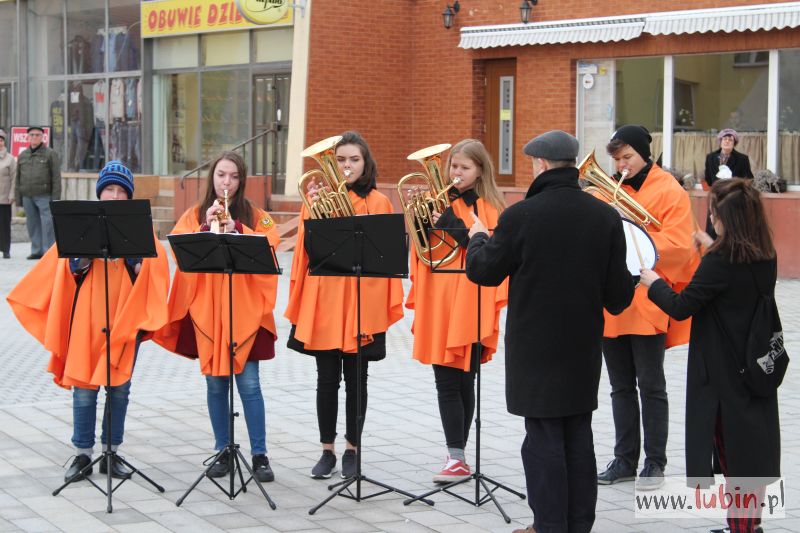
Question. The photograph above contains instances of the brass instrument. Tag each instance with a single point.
(333, 199)
(222, 217)
(610, 190)
(422, 202)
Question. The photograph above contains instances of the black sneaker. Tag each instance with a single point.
(325, 467)
(79, 463)
(650, 478)
(220, 468)
(616, 472)
(349, 464)
(118, 469)
(261, 469)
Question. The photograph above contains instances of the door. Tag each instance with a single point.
(500, 85)
(271, 111)
(5, 106)
(595, 109)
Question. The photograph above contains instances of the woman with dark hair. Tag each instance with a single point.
(725, 163)
(322, 310)
(722, 417)
(8, 174)
(198, 301)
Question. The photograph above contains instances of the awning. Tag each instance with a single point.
(629, 27)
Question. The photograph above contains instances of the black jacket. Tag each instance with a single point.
(721, 299)
(564, 251)
(738, 162)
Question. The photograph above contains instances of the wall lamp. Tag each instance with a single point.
(449, 14)
(525, 9)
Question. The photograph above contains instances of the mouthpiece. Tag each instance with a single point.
(347, 172)
(624, 174)
(456, 180)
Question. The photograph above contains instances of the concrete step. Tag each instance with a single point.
(163, 201)
(282, 202)
(167, 182)
(169, 193)
(281, 217)
(162, 213)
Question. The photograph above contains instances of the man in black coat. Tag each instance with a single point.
(564, 251)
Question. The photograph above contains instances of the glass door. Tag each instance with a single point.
(271, 111)
(5, 106)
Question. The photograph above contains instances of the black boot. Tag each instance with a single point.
(118, 470)
(81, 461)
(261, 469)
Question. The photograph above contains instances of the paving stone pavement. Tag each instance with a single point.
(168, 435)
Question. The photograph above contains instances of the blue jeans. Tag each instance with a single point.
(39, 222)
(84, 414)
(249, 387)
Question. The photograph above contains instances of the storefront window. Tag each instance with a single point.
(124, 115)
(86, 23)
(175, 52)
(175, 123)
(227, 48)
(124, 32)
(8, 39)
(48, 107)
(789, 116)
(639, 96)
(225, 109)
(713, 92)
(273, 45)
(45, 37)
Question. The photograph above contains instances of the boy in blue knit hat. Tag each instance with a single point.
(70, 324)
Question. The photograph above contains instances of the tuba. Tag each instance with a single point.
(418, 208)
(334, 200)
(610, 190)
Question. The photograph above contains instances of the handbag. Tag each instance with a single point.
(764, 360)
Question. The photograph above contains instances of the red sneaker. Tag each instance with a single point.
(454, 470)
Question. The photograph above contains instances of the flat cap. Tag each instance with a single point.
(555, 145)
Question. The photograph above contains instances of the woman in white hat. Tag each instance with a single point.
(8, 170)
(725, 163)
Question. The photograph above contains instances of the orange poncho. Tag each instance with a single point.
(323, 308)
(204, 298)
(45, 303)
(446, 317)
(666, 200)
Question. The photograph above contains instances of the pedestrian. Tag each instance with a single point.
(8, 175)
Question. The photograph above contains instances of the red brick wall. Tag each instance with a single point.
(391, 70)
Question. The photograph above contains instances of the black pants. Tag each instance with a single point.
(560, 473)
(329, 373)
(456, 391)
(632, 360)
(5, 228)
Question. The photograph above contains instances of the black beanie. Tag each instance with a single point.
(637, 137)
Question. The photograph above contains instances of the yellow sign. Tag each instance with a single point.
(505, 114)
(161, 18)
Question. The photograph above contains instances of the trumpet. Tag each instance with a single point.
(332, 200)
(421, 202)
(217, 226)
(610, 190)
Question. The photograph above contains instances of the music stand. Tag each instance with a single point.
(228, 254)
(107, 229)
(372, 246)
(482, 480)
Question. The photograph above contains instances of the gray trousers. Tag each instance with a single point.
(39, 222)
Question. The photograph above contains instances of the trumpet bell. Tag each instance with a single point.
(430, 151)
(321, 146)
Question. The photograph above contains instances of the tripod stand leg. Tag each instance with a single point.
(79, 476)
(243, 461)
(443, 488)
(496, 503)
(393, 489)
(499, 485)
(135, 470)
(200, 477)
(343, 487)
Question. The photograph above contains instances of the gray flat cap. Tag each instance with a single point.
(555, 145)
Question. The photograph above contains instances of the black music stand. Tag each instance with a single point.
(229, 254)
(438, 235)
(107, 229)
(372, 246)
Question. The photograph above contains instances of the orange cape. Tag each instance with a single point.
(324, 308)
(43, 303)
(204, 297)
(668, 202)
(446, 321)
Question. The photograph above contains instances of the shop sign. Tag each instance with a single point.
(20, 141)
(162, 18)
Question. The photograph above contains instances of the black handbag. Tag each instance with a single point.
(764, 360)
